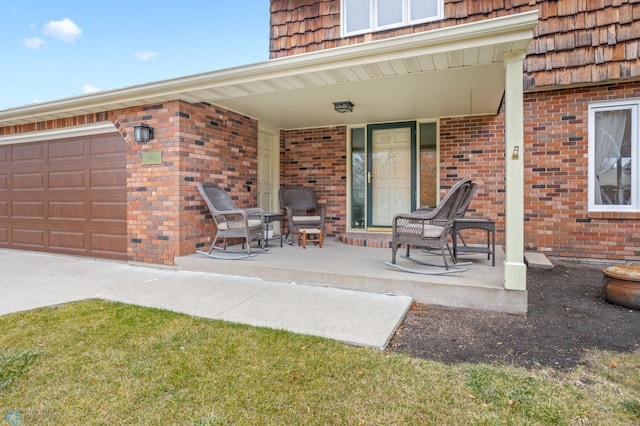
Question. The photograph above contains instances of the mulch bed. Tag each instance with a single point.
(567, 316)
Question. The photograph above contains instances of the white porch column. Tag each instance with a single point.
(515, 271)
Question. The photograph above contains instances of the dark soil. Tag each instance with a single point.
(567, 317)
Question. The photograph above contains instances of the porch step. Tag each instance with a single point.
(358, 268)
(367, 239)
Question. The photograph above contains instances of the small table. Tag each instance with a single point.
(268, 218)
(488, 225)
(312, 235)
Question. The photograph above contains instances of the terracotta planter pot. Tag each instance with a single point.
(622, 285)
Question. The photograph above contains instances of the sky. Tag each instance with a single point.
(51, 50)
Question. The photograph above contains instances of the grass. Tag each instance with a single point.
(97, 362)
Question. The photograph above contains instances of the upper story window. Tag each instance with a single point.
(614, 153)
(360, 16)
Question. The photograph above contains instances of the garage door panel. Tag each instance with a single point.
(71, 210)
(68, 241)
(67, 179)
(109, 212)
(67, 150)
(108, 244)
(28, 152)
(27, 181)
(106, 146)
(108, 178)
(28, 238)
(66, 196)
(28, 210)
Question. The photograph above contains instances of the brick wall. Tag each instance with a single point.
(166, 215)
(199, 142)
(474, 148)
(575, 42)
(316, 158)
(556, 180)
(557, 219)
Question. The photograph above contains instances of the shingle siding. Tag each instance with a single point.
(575, 42)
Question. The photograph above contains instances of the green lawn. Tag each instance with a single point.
(97, 362)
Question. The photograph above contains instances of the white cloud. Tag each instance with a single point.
(34, 43)
(36, 101)
(64, 30)
(90, 88)
(145, 56)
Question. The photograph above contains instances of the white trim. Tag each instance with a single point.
(634, 106)
(512, 29)
(274, 137)
(67, 132)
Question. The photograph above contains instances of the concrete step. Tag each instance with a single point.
(359, 268)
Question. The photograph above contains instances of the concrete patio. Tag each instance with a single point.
(362, 268)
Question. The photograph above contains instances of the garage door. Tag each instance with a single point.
(65, 196)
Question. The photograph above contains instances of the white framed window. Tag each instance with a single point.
(360, 16)
(614, 155)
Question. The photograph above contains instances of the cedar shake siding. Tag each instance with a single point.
(575, 42)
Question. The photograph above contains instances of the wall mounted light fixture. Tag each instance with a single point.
(343, 106)
(142, 133)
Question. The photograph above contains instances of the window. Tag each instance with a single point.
(359, 16)
(358, 181)
(614, 153)
(428, 165)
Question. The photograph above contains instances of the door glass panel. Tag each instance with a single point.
(428, 165)
(390, 174)
(358, 182)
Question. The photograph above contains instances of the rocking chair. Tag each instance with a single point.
(302, 208)
(429, 230)
(231, 222)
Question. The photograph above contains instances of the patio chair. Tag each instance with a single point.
(302, 209)
(231, 222)
(462, 208)
(429, 230)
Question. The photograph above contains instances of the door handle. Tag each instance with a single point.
(368, 177)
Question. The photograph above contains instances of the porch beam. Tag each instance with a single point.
(515, 271)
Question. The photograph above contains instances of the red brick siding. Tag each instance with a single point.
(474, 148)
(166, 215)
(557, 219)
(575, 42)
(556, 181)
(316, 158)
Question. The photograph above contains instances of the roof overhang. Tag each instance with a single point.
(450, 71)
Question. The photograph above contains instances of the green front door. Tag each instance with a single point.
(391, 164)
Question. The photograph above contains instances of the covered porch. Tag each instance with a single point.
(363, 268)
(471, 70)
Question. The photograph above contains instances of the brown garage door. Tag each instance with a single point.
(65, 196)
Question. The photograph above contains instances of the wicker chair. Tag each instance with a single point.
(429, 230)
(231, 222)
(462, 208)
(302, 209)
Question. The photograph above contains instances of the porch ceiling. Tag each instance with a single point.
(445, 72)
